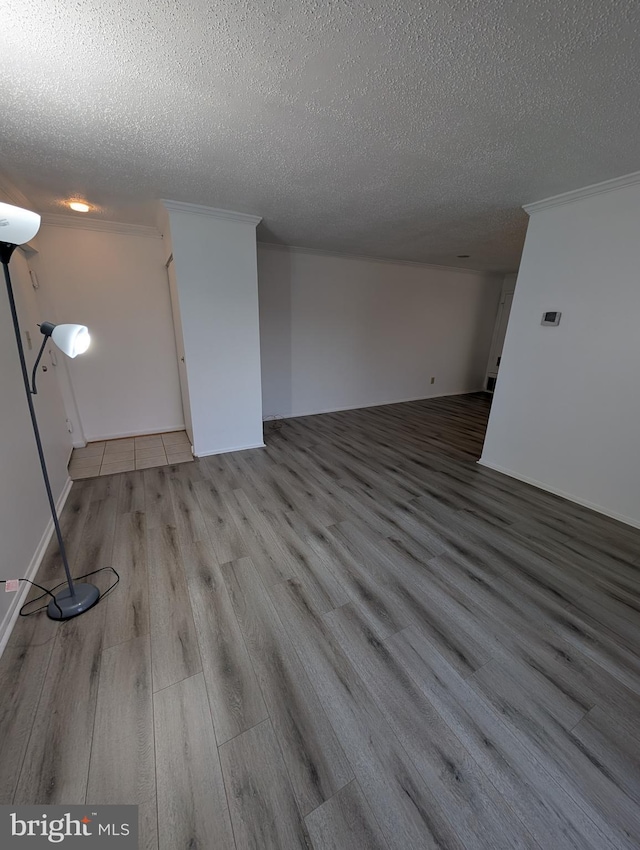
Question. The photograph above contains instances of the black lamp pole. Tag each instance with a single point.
(78, 597)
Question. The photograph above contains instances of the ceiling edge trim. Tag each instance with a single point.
(211, 212)
(297, 249)
(584, 192)
(59, 220)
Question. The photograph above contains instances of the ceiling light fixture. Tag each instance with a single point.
(79, 206)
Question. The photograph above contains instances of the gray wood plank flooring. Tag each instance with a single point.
(56, 763)
(355, 638)
(346, 820)
(236, 700)
(261, 799)
(314, 759)
(174, 646)
(122, 764)
(128, 609)
(192, 805)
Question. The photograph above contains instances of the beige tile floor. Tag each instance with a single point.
(109, 456)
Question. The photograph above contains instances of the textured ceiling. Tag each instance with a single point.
(412, 130)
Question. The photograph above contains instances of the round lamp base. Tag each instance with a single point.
(67, 605)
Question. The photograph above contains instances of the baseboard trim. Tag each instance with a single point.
(275, 416)
(9, 619)
(230, 449)
(634, 523)
(144, 433)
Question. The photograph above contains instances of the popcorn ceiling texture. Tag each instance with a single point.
(407, 130)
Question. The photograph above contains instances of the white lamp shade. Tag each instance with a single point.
(17, 225)
(72, 339)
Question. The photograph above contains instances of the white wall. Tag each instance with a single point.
(567, 403)
(340, 332)
(116, 284)
(25, 523)
(217, 290)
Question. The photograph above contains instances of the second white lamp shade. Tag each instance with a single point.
(71, 339)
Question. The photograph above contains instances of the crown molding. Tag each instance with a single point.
(84, 223)
(211, 212)
(584, 192)
(296, 249)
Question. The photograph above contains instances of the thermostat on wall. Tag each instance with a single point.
(551, 318)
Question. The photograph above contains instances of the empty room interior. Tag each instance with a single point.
(319, 448)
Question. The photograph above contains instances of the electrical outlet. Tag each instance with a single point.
(433, 380)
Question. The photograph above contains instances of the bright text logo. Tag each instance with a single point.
(98, 827)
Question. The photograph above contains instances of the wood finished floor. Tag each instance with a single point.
(356, 638)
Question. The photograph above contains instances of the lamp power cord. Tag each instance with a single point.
(51, 592)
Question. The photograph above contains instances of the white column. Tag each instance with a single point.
(566, 408)
(214, 252)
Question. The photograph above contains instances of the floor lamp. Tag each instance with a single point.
(18, 226)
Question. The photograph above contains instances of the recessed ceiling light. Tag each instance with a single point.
(79, 206)
(463, 256)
